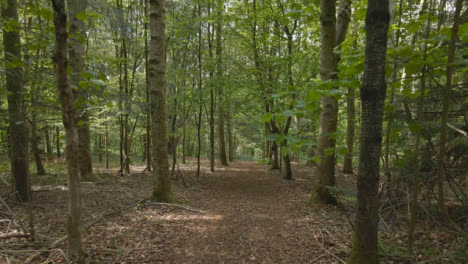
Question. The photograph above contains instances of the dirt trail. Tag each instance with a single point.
(252, 216)
(255, 217)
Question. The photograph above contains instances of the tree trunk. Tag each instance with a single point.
(35, 139)
(441, 174)
(157, 74)
(106, 143)
(212, 99)
(18, 130)
(75, 247)
(200, 82)
(351, 114)
(57, 143)
(147, 94)
(47, 139)
(373, 90)
(76, 53)
(219, 73)
(329, 115)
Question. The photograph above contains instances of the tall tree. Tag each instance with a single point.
(18, 130)
(76, 9)
(69, 117)
(157, 76)
(329, 104)
(441, 171)
(373, 89)
(219, 73)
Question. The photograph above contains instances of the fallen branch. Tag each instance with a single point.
(457, 129)
(333, 255)
(181, 206)
(13, 235)
(13, 215)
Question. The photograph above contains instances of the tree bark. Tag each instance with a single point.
(147, 94)
(350, 131)
(157, 74)
(35, 139)
(329, 115)
(212, 99)
(18, 130)
(200, 87)
(57, 143)
(76, 53)
(443, 126)
(48, 144)
(69, 116)
(219, 73)
(373, 89)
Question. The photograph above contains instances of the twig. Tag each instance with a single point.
(333, 255)
(3, 180)
(329, 252)
(181, 206)
(90, 224)
(13, 215)
(13, 235)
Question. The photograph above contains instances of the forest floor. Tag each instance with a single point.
(244, 213)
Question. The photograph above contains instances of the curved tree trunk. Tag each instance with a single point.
(18, 130)
(373, 89)
(69, 116)
(157, 75)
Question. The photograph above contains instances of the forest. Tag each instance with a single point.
(234, 131)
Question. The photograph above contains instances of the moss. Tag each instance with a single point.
(321, 195)
(164, 197)
(359, 255)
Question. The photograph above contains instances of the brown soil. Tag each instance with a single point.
(244, 213)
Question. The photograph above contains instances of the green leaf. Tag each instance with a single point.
(82, 16)
(267, 117)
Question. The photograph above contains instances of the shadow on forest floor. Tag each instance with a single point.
(244, 213)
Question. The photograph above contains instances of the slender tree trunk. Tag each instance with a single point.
(373, 89)
(351, 114)
(329, 115)
(219, 73)
(75, 247)
(57, 143)
(106, 143)
(212, 99)
(147, 93)
(344, 17)
(100, 147)
(388, 130)
(230, 136)
(48, 144)
(18, 130)
(35, 139)
(417, 156)
(157, 73)
(200, 80)
(183, 145)
(441, 173)
(76, 53)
